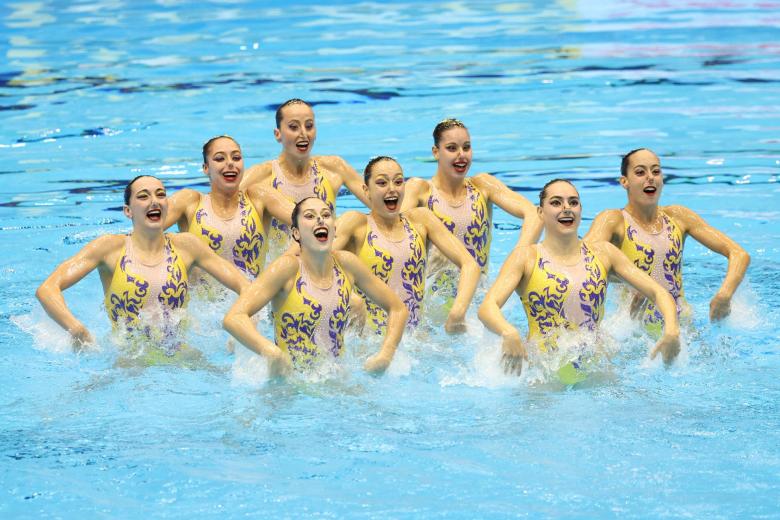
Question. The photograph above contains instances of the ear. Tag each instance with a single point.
(365, 190)
(205, 169)
(435, 151)
(293, 233)
(127, 211)
(623, 181)
(539, 211)
(277, 135)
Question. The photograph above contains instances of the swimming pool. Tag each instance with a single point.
(93, 93)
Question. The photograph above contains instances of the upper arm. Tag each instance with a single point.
(510, 276)
(347, 227)
(257, 174)
(606, 227)
(266, 198)
(414, 190)
(375, 289)
(445, 241)
(266, 286)
(181, 204)
(82, 263)
(704, 233)
(503, 197)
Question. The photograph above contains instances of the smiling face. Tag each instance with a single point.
(224, 164)
(148, 203)
(453, 152)
(644, 178)
(314, 225)
(385, 188)
(297, 130)
(561, 211)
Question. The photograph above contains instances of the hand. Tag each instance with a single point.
(638, 302)
(378, 363)
(669, 346)
(279, 363)
(81, 337)
(720, 307)
(456, 323)
(513, 352)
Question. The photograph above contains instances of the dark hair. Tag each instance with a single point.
(371, 163)
(297, 211)
(624, 162)
(129, 187)
(293, 101)
(445, 125)
(543, 193)
(207, 145)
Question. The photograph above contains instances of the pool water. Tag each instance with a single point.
(94, 93)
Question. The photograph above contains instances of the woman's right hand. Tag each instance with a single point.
(81, 337)
(279, 363)
(513, 352)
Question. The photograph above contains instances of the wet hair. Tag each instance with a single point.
(626, 158)
(293, 101)
(207, 145)
(296, 212)
(372, 162)
(445, 125)
(543, 193)
(129, 187)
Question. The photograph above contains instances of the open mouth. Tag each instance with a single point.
(302, 146)
(154, 215)
(650, 190)
(230, 176)
(566, 221)
(391, 202)
(460, 166)
(321, 233)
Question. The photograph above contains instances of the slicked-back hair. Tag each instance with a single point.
(293, 101)
(543, 192)
(445, 125)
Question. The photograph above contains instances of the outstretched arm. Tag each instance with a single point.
(414, 191)
(347, 226)
(238, 320)
(257, 174)
(606, 227)
(711, 238)
(351, 178)
(180, 205)
(490, 314)
(457, 253)
(267, 198)
(67, 274)
(225, 273)
(378, 292)
(669, 344)
(514, 204)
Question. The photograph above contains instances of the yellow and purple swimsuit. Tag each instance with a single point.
(310, 322)
(470, 221)
(239, 240)
(560, 297)
(317, 185)
(659, 255)
(143, 298)
(400, 265)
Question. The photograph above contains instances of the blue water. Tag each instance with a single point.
(94, 93)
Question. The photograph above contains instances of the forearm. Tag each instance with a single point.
(54, 304)
(668, 307)
(491, 316)
(739, 260)
(396, 323)
(531, 230)
(467, 286)
(240, 326)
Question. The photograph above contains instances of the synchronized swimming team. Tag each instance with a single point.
(370, 269)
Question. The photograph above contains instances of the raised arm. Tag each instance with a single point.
(606, 227)
(181, 205)
(351, 178)
(669, 344)
(347, 227)
(257, 174)
(457, 253)
(711, 238)
(415, 190)
(238, 320)
(490, 314)
(266, 198)
(378, 292)
(67, 274)
(203, 257)
(514, 204)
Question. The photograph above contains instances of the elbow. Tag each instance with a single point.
(484, 311)
(743, 257)
(229, 322)
(470, 266)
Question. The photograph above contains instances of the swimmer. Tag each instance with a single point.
(143, 273)
(652, 237)
(394, 244)
(232, 222)
(309, 295)
(298, 174)
(562, 282)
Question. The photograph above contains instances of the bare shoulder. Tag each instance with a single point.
(258, 174)
(484, 181)
(331, 162)
(679, 212)
(105, 245)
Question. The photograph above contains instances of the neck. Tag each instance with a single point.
(452, 186)
(147, 241)
(645, 214)
(386, 223)
(317, 263)
(225, 202)
(561, 246)
(295, 166)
